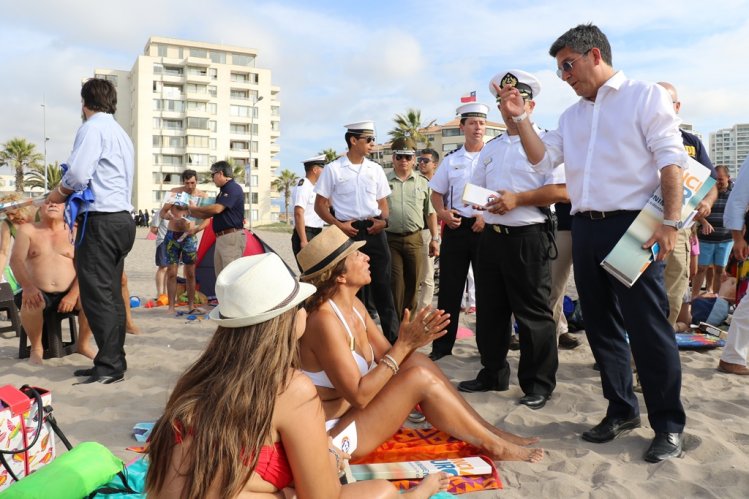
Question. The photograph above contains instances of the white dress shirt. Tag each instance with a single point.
(503, 165)
(451, 177)
(103, 160)
(353, 190)
(613, 148)
(738, 200)
(304, 197)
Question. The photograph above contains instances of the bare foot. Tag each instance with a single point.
(514, 439)
(131, 328)
(171, 311)
(36, 357)
(429, 486)
(86, 351)
(506, 451)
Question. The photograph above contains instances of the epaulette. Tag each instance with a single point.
(456, 149)
(495, 138)
(301, 181)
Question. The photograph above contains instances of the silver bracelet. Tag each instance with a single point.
(395, 364)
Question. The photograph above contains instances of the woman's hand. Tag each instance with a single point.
(337, 457)
(426, 326)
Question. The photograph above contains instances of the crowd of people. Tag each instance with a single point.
(306, 358)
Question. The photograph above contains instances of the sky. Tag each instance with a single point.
(342, 62)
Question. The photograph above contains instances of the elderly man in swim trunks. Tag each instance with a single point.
(42, 262)
(181, 242)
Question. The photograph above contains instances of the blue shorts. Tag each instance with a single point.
(712, 253)
(160, 259)
(181, 248)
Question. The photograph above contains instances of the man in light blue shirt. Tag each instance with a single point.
(102, 161)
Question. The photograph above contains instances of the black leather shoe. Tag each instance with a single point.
(435, 356)
(84, 372)
(610, 428)
(535, 401)
(664, 446)
(482, 384)
(103, 379)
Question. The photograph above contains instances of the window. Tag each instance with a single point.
(157, 68)
(212, 125)
(275, 111)
(275, 126)
(451, 132)
(212, 107)
(212, 146)
(449, 147)
(172, 91)
(240, 94)
(196, 89)
(253, 146)
(218, 57)
(171, 124)
(156, 104)
(213, 74)
(235, 145)
(255, 215)
(242, 60)
(157, 141)
(171, 160)
(197, 159)
(162, 50)
(240, 77)
(197, 123)
(175, 141)
(176, 106)
(196, 106)
(197, 141)
(254, 180)
(254, 198)
(200, 53)
(212, 90)
(240, 111)
(172, 71)
(239, 129)
(196, 71)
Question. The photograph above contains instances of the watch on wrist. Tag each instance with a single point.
(518, 119)
(676, 224)
(437, 239)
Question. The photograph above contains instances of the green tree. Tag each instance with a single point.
(34, 177)
(284, 183)
(19, 154)
(410, 125)
(330, 154)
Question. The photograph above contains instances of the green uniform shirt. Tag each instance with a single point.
(409, 203)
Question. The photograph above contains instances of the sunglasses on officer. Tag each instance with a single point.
(424, 160)
(368, 138)
(399, 157)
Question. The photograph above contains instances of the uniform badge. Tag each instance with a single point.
(509, 79)
(301, 182)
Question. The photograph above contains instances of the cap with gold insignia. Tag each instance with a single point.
(473, 110)
(361, 128)
(404, 145)
(527, 84)
(316, 161)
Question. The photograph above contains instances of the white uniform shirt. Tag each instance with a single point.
(503, 165)
(451, 177)
(304, 197)
(613, 148)
(353, 190)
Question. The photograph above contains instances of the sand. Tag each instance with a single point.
(716, 463)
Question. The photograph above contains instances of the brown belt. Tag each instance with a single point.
(227, 231)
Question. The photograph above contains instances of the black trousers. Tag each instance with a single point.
(378, 291)
(514, 277)
(103, 241)
(296, 243)
(459, 249)
(614, 312)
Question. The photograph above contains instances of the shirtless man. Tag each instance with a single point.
(181, 241)
(42, 261)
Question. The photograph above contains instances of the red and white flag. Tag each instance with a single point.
(469, 97)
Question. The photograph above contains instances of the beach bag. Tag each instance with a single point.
(73, 475)
(129, 483)
(27, 432)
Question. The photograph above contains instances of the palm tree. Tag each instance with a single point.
(34, 177)
(330, 154)
(19, 154)
(284, 183)
(409, 125)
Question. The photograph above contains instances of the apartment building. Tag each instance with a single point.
(730, 147)
(188, 104)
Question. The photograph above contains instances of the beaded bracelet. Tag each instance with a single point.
(389, 363)
(397, 366)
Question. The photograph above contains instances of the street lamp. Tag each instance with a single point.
(248, 167)
(44, 130)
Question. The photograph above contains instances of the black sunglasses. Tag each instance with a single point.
(424, 160)
(369, 139)
(399, 157)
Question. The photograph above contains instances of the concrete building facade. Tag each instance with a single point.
(730, 147)
(189, 104)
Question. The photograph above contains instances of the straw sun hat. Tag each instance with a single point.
(255, 289)
(324, 251)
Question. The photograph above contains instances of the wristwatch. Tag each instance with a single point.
(676, 224)
(518, 119)
(437, 239)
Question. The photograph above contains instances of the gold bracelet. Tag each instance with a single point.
(388, 363)
(397, 366)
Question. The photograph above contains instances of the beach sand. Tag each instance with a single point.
(716, 463)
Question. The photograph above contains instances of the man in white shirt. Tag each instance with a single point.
(618, 143)
(307, 224)
(357, 190)
(462, 225)
(513, 275)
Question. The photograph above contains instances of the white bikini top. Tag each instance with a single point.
(320, 378)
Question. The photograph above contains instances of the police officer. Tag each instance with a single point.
(356, 189)
(307, 224)
(410, 211)
(462, 226)
(515, 276)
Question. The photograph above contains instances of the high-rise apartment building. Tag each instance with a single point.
(730, 147)
(188, 104)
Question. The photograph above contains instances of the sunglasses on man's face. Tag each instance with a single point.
(369, 139)
(424, 160)
(399, 157)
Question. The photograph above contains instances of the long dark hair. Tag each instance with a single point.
(225, 403)
(326, 285)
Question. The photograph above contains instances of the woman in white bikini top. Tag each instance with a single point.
(379, 393)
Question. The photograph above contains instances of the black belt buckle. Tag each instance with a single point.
(500, 229)
(597, 215)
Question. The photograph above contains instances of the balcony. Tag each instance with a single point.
(197, 61)
(199, 96)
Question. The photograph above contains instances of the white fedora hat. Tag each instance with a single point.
(257, 288)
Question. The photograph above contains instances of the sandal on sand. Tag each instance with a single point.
(197, 311)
